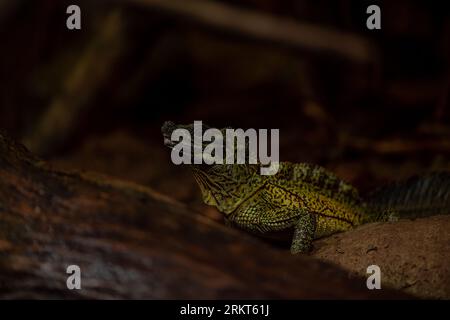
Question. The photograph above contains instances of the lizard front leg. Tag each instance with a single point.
(263, 217)
(303, 233)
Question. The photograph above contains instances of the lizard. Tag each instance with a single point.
(303, 202)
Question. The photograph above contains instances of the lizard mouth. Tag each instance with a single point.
(167, 129)
(168, 142)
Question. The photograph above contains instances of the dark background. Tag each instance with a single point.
(95, 99)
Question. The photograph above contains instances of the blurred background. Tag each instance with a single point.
(370, 105)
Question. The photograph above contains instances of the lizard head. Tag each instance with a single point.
(169, 127)
(224, 186)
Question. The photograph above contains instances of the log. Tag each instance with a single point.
(133, 243)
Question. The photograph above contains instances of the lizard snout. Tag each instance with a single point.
(167, 129)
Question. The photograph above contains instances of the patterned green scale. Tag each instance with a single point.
(302, 199)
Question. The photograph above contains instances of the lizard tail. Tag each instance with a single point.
(419, 196)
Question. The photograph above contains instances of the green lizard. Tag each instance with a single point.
(303, 202)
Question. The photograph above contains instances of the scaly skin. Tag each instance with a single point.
(301, 202)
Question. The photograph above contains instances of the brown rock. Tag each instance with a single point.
(413, 255)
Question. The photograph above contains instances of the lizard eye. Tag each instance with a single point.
(168, 127)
